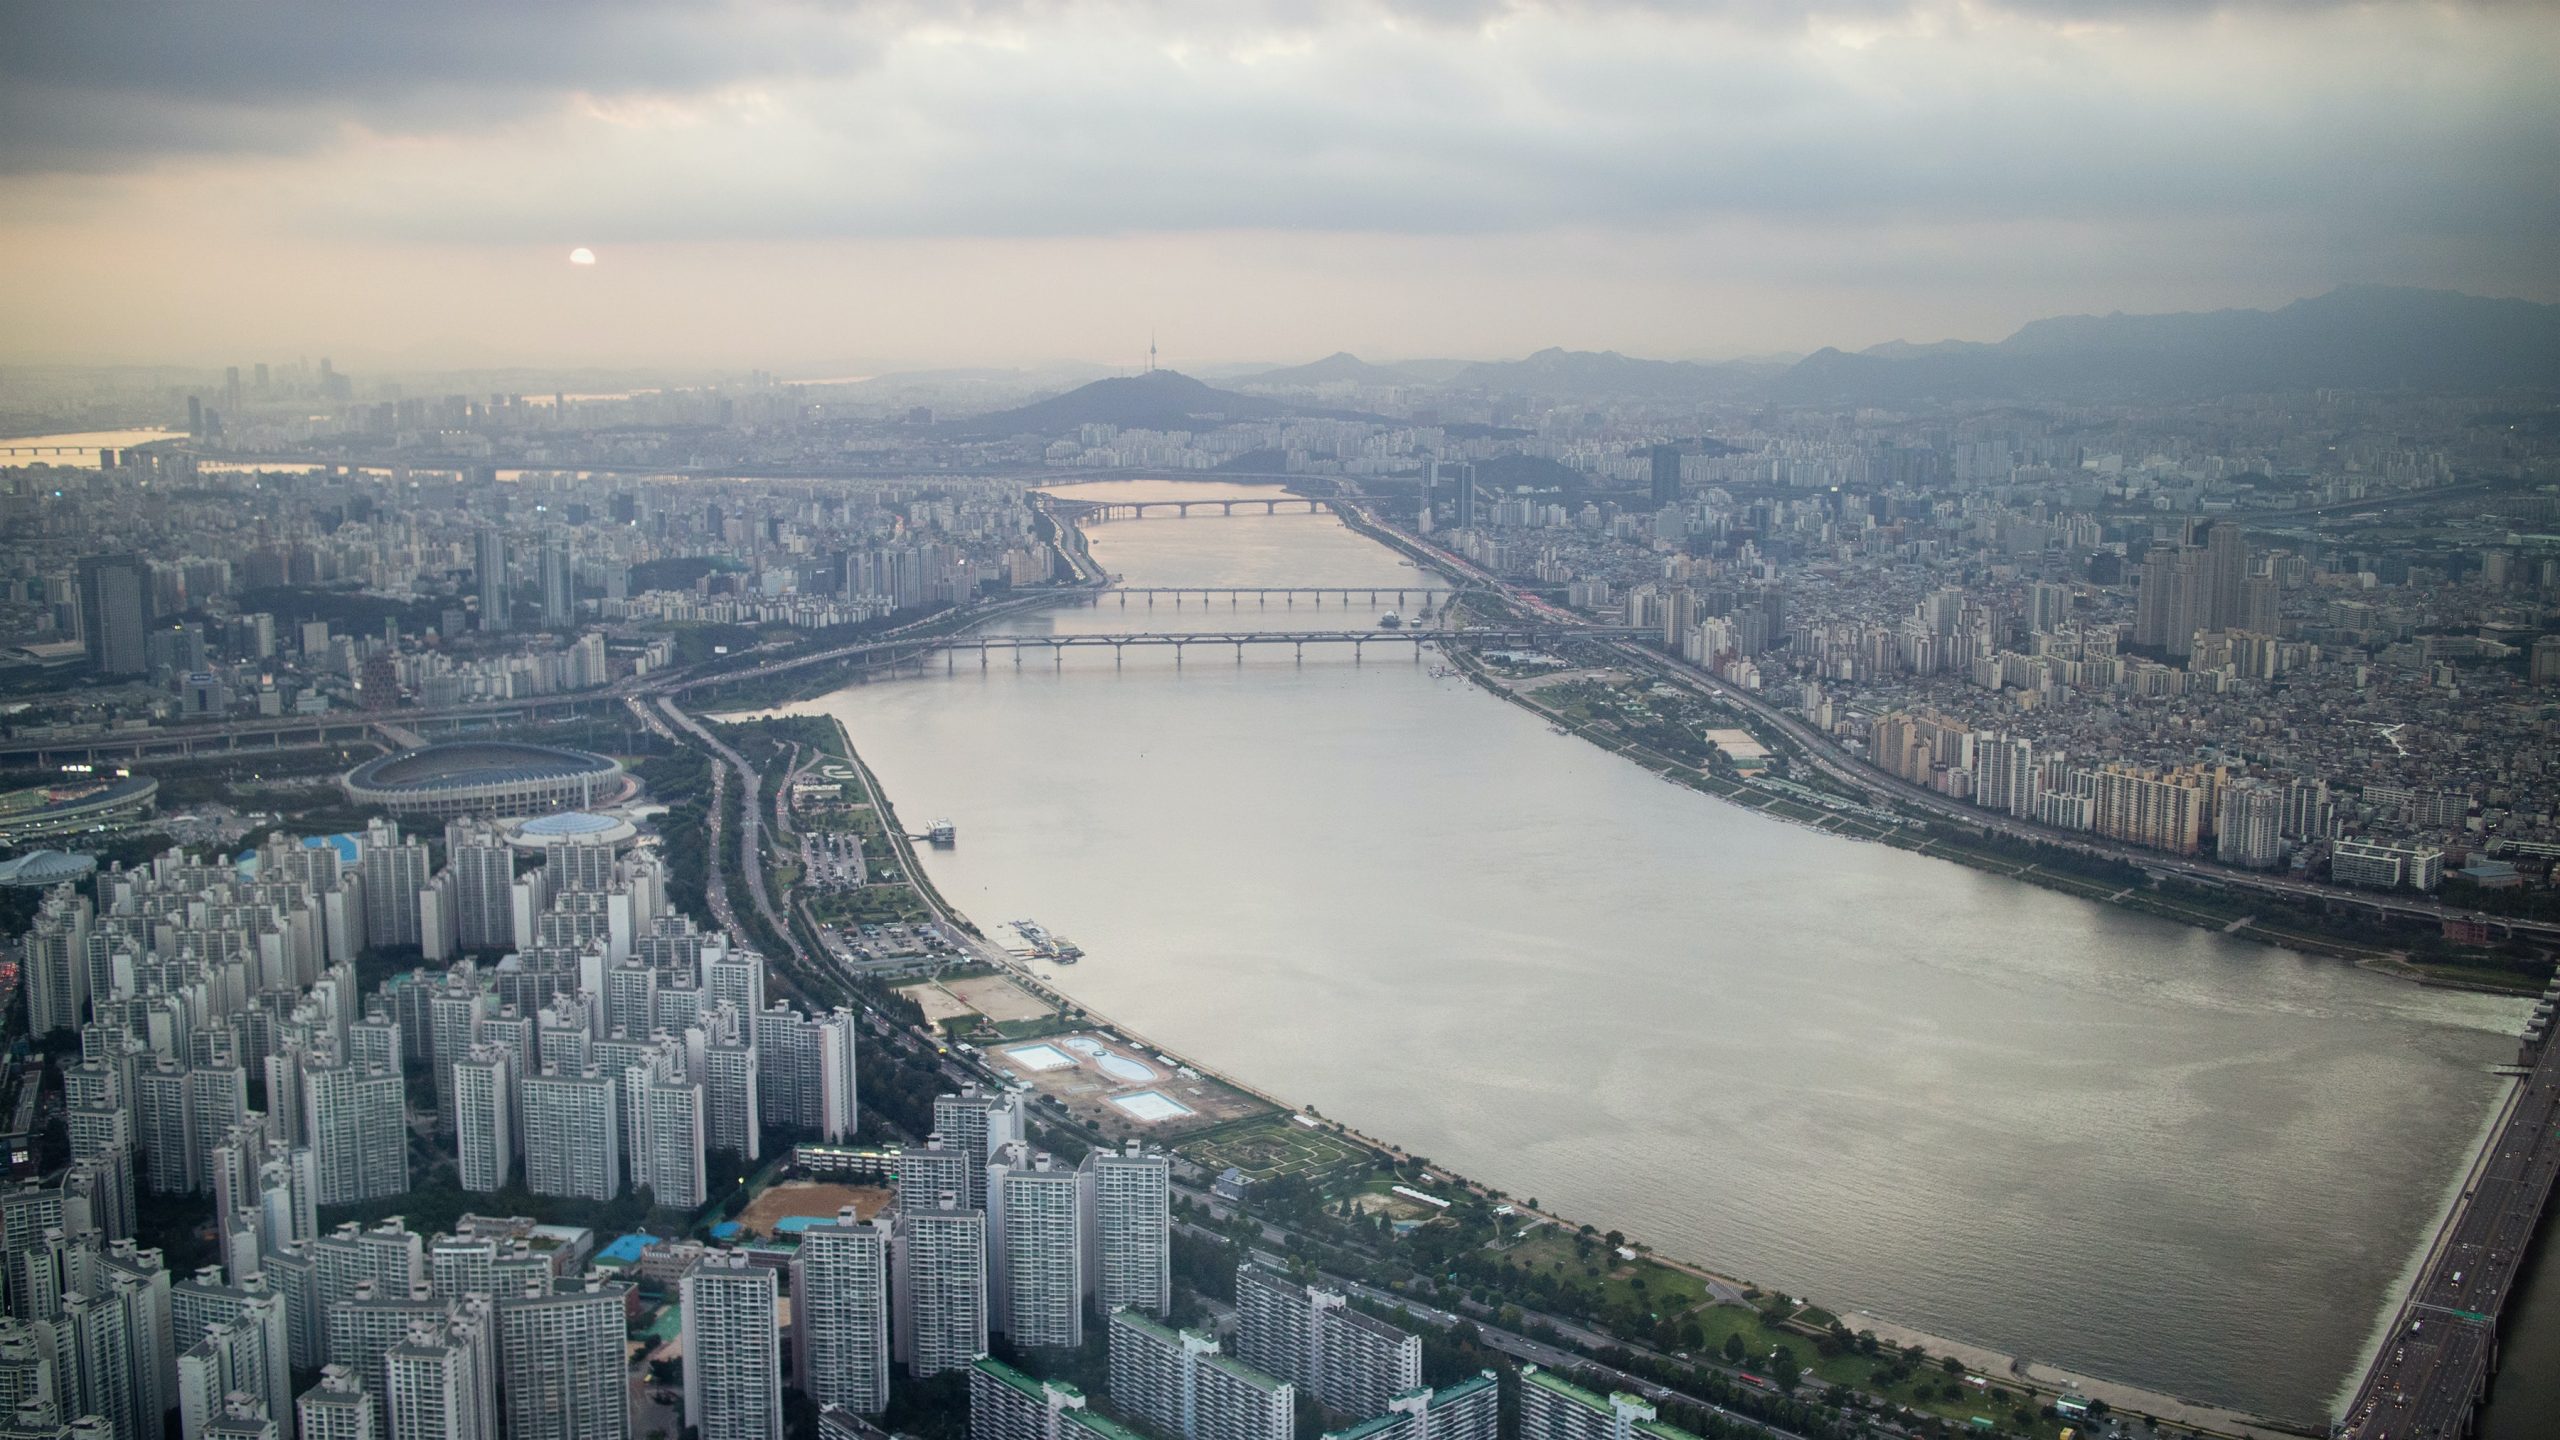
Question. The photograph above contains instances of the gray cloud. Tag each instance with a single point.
(2333, 128)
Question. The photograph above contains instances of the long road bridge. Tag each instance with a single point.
(10, 450)
(2433, 1369)
(1119, 642)
(1087, 511)
(1236, 595)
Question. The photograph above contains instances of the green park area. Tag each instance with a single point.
(1266, 1149)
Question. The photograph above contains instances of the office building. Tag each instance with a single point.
(115, 612)
(732, 1350)
(1665, 465)
(497, 599)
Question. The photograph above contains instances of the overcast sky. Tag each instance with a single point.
(796, 185)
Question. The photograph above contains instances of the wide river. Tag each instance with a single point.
(1883, 1081)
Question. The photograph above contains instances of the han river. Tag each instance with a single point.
(1883, 1081)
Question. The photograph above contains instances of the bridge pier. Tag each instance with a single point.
(1239, 652)
(1177, 654)
(1118, 651)
(1302, 652)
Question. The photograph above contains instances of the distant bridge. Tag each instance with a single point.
(1236, 595)
(1083, 511)
(54, 449)
(987, 646)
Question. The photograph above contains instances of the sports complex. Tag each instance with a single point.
(486, 777)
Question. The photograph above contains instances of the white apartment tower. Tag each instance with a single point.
(1036, 1240)
(732, 1350)
(840, 1313)
(1128, 1229)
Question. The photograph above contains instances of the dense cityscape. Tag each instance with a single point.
(1336, 720)
(427, 1077)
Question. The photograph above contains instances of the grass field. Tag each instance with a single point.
(1280, 1146)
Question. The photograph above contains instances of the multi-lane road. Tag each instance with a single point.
(2434, 1366)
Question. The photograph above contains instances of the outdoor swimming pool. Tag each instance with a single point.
(1149, 1106)
(1121, 1067)
(1039, 1057)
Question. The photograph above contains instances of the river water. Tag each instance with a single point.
(1881, 1080)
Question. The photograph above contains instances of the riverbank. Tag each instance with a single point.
(2046, 1383)
(2269, 920)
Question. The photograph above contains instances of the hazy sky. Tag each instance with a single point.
(797, 185)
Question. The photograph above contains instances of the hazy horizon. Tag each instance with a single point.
(885, 185)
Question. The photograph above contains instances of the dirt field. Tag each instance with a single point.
(939, 1004)
(803, 1197)
(998, 998)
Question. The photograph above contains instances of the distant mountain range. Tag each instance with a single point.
(2357, 337)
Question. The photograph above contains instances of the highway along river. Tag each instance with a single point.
(1880, 1080)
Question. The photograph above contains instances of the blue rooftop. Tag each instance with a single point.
(626, 1251)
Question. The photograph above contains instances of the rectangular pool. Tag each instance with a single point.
(1039, 1057)
(1149, 1106)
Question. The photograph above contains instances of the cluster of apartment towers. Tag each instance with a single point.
(1290, 1339)
(612, 1047)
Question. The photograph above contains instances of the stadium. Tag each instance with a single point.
(486, 777)
(74, 805)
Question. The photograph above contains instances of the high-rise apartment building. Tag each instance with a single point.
(940, 1271)
(732, 1349)
(1035, 1248)
(359, 1133)
(560, 1362)
(1552, 1408)
(573, 1135)
(840, 1313)
(483, 1102)
(1128, 1229)
(1178, 1384)
(1351, 1363)
(977, 1125)
(336, 1408)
